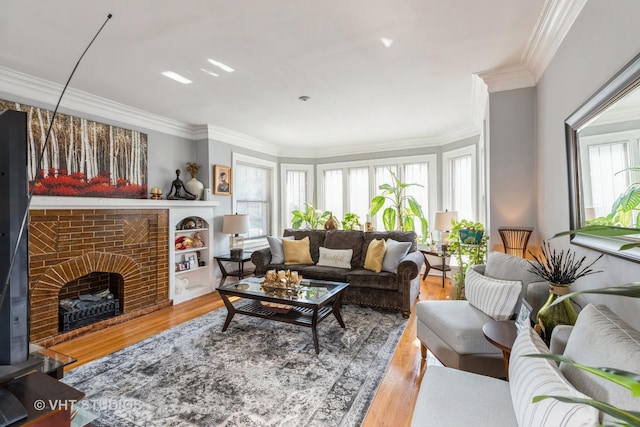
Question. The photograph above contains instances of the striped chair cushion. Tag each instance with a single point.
(495, 297)
(531, 377)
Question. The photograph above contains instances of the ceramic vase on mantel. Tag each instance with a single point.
(195, 187)
(550, 316)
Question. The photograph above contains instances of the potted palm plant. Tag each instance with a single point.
(404, 209)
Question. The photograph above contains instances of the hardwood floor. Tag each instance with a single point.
(392, 405)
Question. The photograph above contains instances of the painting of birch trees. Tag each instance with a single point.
(83, 157)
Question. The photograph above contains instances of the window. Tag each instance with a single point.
(358, 192)
(253, 190)
(363, 178)
(333, 195)
(606, 174)
(459, 189)
(297, 189)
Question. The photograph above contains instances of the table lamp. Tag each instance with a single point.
(442, 223)
(235, 225)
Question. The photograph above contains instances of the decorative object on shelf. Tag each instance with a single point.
(188, 224)
(404, 209)
(194, 186)
(466, 254)
(443, 222)
(198, 241)
(515, 240)
(181, 284)
(222, 180)
(560, 269)
(331, 224)
(178, 191)
(235, 225)
(183, 242)
(156, 193)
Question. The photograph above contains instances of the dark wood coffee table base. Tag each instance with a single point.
(302, 313)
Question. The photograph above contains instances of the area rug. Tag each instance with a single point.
(257, 373)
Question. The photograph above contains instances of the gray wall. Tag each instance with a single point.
(512, 176)
(602, 40)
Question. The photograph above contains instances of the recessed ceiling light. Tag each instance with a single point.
(387, 42)
(221, 65)
(177, 77)
(211, 73)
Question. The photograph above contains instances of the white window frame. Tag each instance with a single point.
(446, 178)
(430, 159)
(237, 158)
(630, 137)
(284, 168)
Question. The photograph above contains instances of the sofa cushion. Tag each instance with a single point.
(509, 267)
(398, 236)
(458, 323)
(346, 239)
(368, 279)
(275, 245)
(530, 377)
(324, 273)
(297, 251)
(496, 298)
(339, 258)
(394, 253)
(450, 397)
(611, 342)
(316, 239)
(375, 255)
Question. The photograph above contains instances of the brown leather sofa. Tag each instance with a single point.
(397, 291)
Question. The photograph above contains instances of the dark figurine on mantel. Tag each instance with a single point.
(178, 192)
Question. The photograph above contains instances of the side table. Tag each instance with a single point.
(502, 334)
(240, 272)
(442, 267)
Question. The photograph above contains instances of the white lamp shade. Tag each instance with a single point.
(443, 220)
(235, 224)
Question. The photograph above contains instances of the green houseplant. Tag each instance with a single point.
(404, 209)
(351, 221)
(560, 269)
(314, 218)
(629, 380)
(467, 254)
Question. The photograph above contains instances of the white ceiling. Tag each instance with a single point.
(361, 92)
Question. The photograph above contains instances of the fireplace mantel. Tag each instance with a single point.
(52, 202)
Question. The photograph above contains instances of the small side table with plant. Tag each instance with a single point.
(468, 242)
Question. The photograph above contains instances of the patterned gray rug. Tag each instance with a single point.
(257, 373)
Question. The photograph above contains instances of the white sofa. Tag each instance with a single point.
(452, 330)
(450, 397)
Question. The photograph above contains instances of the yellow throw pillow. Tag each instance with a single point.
(375, 255)
(297, 251)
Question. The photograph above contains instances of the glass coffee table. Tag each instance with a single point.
(53, 363)
(313, 302)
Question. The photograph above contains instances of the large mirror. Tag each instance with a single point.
(603, 153)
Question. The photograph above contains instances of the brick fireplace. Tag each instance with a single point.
(68, 246)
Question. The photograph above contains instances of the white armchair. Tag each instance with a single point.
(452, 329)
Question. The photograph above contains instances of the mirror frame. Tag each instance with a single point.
(621, 84)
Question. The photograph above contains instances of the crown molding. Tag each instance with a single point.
(507, 78)
(553, 24)
(555, 21)
(232, 137)
(46, 92)
(405, 144)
